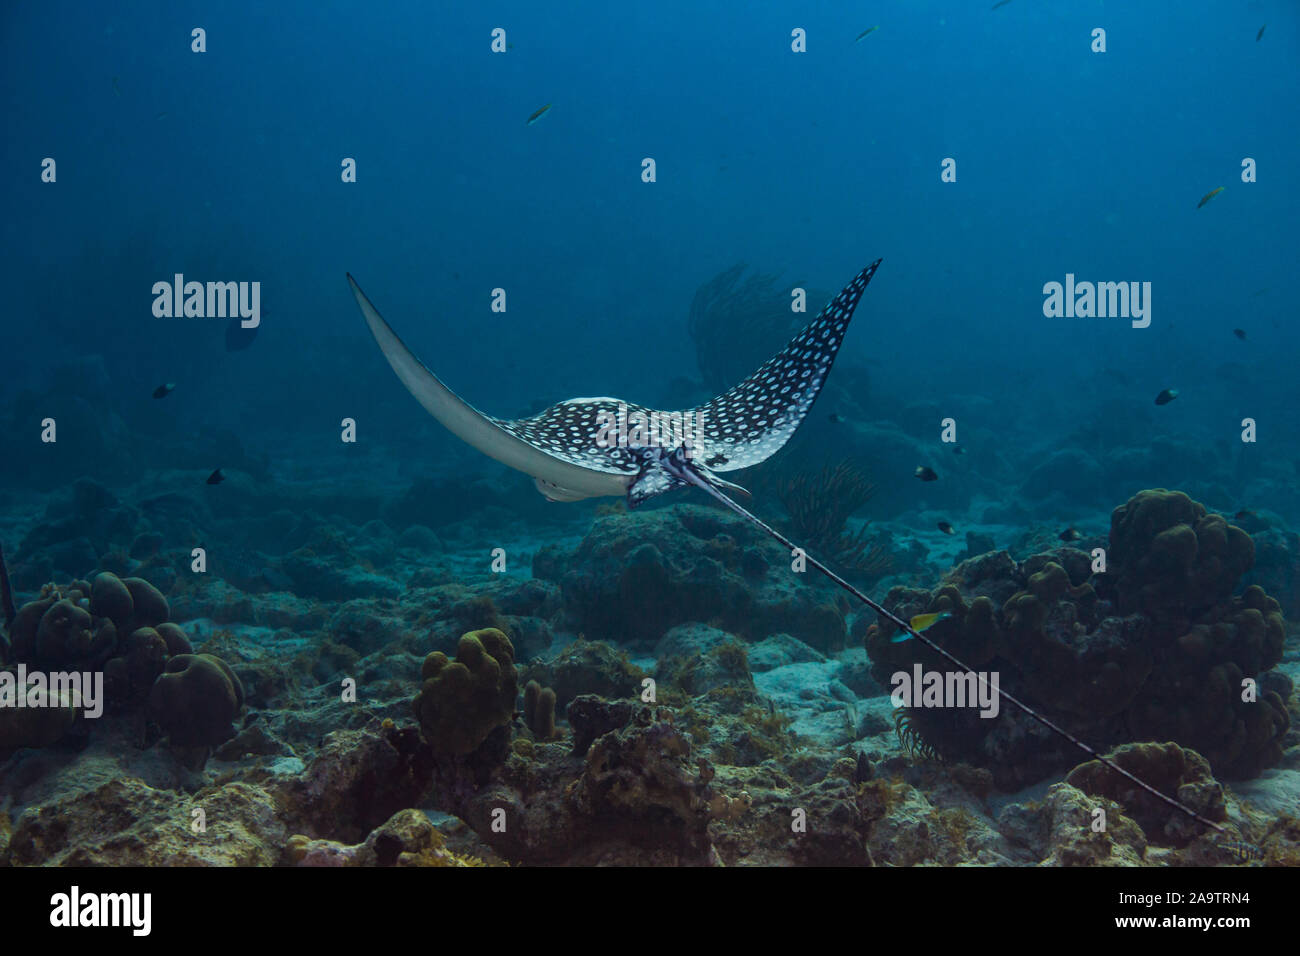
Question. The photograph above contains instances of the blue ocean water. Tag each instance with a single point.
(981, 153)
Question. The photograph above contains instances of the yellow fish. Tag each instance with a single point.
(1208, 196)
(921, 623)
(538, 115)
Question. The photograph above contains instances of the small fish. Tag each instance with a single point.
(867, 32)
(117, 90)
(1000, 3)
(958, 450)
(1243, 851)
(239, 338)
(862, 770)
(1259, 292)
(216, 477)
(162, 115)
(1244, 514)
(921, 623)
(1240, 333)
(925, 474)
(835, 419)
(1208, 196)
(945, 527)
(1261, 32)
(1167, 396)
(162, 391)
(538, 115)
(1069, 534)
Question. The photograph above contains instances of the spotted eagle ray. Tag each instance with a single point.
(567, 451)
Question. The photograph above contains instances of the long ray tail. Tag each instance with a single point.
(884, 612)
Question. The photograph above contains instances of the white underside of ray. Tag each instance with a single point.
(556, 479)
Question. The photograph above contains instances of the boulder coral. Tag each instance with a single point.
(120, 627)
(196, 699)
(635, 576)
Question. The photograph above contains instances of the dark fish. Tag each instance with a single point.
(834, 419)
(1243, 514)
(162, 391)
(945, 527)
(1069, 534)
(867, 32)
(925, 474)
(1208, 196)
(1261, 32)
(1167, 396)
(538, 115)
(6, 598)
(958, 450)
(1240, 333)
(1000, 3)
(862, 770)
(239, 338)
(216, 477)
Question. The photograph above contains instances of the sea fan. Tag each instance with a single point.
(909, 736)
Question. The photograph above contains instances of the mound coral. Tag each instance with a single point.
(710, 562)
(462, 701)
(195, 700)
(120, 626)
(1169, 768)
(1156, 648)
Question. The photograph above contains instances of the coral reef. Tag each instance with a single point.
(407, 838)
(587, 667)
(712, 563)
(766, 741)
(1156, 648)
